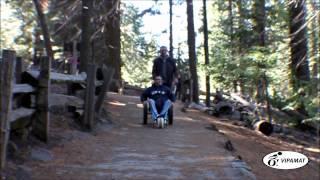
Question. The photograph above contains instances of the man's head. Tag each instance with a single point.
(163, 51)
(157, 80)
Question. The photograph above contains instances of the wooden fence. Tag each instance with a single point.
(26, 96)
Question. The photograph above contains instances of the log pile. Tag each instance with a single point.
(248, 113)
(240, 108)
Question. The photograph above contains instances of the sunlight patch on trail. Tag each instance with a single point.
(136, 155)
(139, 105)
(313, 149)
(182, 146)
(135, 125)
(117, 103)
(145, 165)
(183, 118)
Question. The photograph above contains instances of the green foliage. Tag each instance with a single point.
(136, 52)
(24, 14)
(304, 101)
(228, 64)
(240, 61)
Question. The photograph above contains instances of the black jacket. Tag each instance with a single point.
(171, 69)
(157, 92)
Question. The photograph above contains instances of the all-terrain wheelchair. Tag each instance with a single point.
(161, 123)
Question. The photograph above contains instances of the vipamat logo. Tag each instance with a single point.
(285, 160)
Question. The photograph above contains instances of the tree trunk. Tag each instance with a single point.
(6, 84)
(266, 81)
(112, 41)
(206, 50)
(314, 40)
(85, 47)
(241, 43)
(192, 52)
(36, 46)
(298, 44)
(170, 27)
(44, 27)
(259, 20)
(231, 34)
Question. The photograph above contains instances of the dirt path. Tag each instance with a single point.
(252, 146)
(126, 149)
(129, 150)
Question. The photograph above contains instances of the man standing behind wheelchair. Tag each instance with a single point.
(160, 99)
(165, 67)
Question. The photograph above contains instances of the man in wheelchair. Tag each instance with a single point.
(160, 99)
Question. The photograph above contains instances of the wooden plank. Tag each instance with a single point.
(65, 100)
(65, 78)
(61, 78)
(42, 119)
(89, 111)
(20, 113)
(22, 88)
(107, 77)
(7, 78)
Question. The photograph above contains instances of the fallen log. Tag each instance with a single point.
(295, 114)
(244, 102)
(223, 108)
(264, 127)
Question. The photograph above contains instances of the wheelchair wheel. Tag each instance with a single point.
(161, 123)
(145, 113)
(170, 115)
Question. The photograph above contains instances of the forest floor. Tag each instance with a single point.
(192, 148)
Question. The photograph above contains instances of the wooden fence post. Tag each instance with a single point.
(107, 76)
(191, 91)
(7, 78)
(42, 119)
(89, 111)
(74, 58)
(18, 70)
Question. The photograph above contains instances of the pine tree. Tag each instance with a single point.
(206, 51)
(298, 43)
(192, 52)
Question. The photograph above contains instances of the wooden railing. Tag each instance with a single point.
(26, 96)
